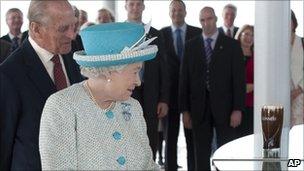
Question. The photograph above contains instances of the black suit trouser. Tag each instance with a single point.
(203, 134)
(172, 132)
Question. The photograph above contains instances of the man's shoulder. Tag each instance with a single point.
(14, 62)
(154, 32)
(4, 43)
(227, 40)
(6, 38)
(24, 35)
(164, 29)
(153, 29)
(220, 29)
(195, 39)
(193, 28)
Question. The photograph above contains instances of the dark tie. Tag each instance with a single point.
(179, 43)
(229, 33)
(208, 53)
(59, 77)
(208, 49)
(15, 43)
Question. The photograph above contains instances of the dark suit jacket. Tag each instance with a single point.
(156, 86)
(221, 30)
(5, 49)
(173, 60)
(77, 44)
(227, 79)
(7, 38)
(24, 87)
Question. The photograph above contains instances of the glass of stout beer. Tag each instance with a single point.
(272, 123)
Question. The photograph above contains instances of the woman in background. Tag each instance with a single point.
(297, 72)
(245, 37)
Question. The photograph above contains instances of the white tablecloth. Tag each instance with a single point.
(239, 154)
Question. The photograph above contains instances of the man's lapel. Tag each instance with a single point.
(37, 72)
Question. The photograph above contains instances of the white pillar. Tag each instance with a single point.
(271, 66)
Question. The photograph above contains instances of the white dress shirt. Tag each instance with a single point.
(231, 30)
(12, 36)
(213, 37)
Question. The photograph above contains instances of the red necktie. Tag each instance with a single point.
(59, 77)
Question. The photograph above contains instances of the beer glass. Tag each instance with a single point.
(272, 122)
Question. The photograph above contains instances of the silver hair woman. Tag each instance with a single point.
(100, 72)
(96, 125)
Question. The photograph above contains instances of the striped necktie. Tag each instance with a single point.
(208, 53)
(208, 49)
(15, 44)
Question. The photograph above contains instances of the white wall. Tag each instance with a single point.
(158, 11)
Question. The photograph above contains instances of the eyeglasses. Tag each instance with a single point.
(247, 34)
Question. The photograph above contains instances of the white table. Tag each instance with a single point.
(239, 154)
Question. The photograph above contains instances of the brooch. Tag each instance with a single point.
(126, 107)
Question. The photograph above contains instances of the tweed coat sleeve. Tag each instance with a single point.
(57, 138)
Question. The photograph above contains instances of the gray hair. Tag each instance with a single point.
(76, 11)
(13, 10)
(83, 13)
(180, 1)
(231, 6)
(208, 9)
(91, 72)
(36, 12)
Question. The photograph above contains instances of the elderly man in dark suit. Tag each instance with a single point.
(229, 14)
(175, 37)
(153, 92)
(14, 21)
(37, 69)
(212, 87)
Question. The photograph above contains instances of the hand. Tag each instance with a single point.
(162, 109)
(249, 88)
(235, 118)
(187, 120)
(295, 93)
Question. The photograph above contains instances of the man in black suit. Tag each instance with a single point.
(171, 35)
(37, 69)
(229, 14)
(14, 21)
(212, 87)
(153, 92)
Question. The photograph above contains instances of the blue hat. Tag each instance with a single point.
(115, 44)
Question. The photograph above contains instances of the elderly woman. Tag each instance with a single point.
(96, 125)
(245, 37)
